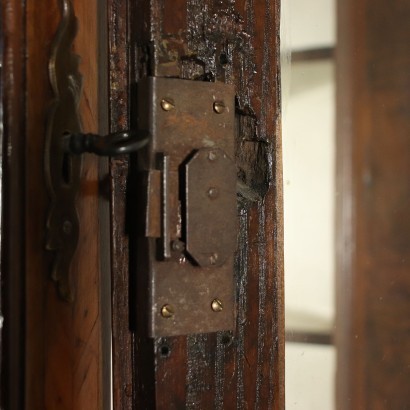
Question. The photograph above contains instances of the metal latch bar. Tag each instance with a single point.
(166, 208)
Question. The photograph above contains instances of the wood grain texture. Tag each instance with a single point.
(13, 127)
(373, 283)
(64, 342)
(122, 337)
(236, 42)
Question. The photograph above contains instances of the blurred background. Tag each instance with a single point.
(346, 157)
(308, 81)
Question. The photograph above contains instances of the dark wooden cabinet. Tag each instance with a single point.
(373, 280)
(56, 354)
(91, 352)
(235, 43)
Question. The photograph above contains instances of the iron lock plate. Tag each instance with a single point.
(186, 247)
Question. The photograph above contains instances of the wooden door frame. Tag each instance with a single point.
(249, 366)
(52, 350)
(12, 203)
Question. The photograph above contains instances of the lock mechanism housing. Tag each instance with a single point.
(185, 249)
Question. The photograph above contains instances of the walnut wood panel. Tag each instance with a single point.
(12, 203)
(119, 88)
(236, 42)
(64, 340)
(373, 297)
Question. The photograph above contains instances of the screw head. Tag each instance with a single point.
(167, 311)
(67, 227)
(177, 246)
(167, 104)
(213, 193)
(212, 155)
(213, 258)
(219, 107)
(216, 305)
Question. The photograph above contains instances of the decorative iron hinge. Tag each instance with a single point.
(62, 170)
(186, 249)
(63, 142)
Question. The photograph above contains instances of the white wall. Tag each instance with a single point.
(310, 374)
(309, 191)
(312, 23)
(308, 134)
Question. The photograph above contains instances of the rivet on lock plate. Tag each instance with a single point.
(188, 190)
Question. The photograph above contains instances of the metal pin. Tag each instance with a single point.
(219, 107)
(213, 258)
(167, 311)
(166, 224)
(216, 305)
(67, 227)
(177, 246)
(212, 156)
(167, 104)
(213, 193)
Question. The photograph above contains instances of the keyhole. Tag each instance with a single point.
(223, 59)
(66, 171)
(165, 350)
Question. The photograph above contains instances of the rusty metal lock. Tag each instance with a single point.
(187, 188)
(185, 252)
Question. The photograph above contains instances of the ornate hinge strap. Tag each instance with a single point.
(63, 170)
